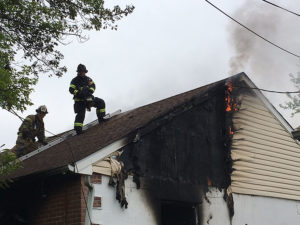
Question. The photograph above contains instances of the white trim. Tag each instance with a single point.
(84, 166)
(86, 170)
(71, 168)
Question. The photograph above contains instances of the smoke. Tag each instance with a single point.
(256, 56)
(267, 66)
(245, 43)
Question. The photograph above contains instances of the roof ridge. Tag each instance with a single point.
(183, 93)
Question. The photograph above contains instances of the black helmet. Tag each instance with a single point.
(42, 109)
(81, 68)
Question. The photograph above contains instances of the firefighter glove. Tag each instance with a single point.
(79, 94)
(85, 91)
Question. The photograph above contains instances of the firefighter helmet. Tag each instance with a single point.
(42, 109)
(81, 68)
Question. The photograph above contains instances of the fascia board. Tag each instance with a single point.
(268, 104)
(85, 165)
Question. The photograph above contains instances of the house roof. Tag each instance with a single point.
(99, 136)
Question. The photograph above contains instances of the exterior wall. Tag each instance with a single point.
(214, 209)
(110, 212)
(258, 210)
(64, 203)
(181, 151)
(248, 209)
(266, 159)
(53, 200)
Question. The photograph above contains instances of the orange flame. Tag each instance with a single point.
(229, 102)
(231, 132)
(229, 85)
(209, 183)
(230, 105)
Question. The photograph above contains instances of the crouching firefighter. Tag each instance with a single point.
(32, 127)
(83, 87)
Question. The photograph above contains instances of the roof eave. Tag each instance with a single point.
(85, 165)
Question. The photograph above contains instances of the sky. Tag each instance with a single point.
(166, 47)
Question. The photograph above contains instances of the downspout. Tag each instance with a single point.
(89, 201)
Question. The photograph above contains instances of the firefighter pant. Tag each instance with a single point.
(80, 109)
(24, 146)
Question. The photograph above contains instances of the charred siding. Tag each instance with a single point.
(184, 150)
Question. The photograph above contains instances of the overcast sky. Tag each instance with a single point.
(167, 47)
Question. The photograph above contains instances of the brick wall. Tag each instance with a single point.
(51, 200)
(63, 204)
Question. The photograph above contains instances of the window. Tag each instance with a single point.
(177, 213)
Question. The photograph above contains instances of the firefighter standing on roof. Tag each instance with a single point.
(32, 126)
(83, 87)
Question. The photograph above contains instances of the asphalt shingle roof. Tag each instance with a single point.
(104, 134)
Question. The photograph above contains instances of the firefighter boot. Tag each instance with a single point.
(79, 130)
(100, 116)
(100, 119)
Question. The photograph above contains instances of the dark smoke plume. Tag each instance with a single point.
(267, 66)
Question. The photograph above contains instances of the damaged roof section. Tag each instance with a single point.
(184, 152)
(124, 125)
(190, 141)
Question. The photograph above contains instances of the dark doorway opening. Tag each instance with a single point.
(176, 213)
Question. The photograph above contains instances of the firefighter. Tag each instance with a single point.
(32, 126)
(83, 87)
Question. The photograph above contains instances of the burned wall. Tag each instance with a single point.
(185, 152)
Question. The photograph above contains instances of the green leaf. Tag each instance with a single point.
(34, 29)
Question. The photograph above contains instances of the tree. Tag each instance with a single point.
(294, 99)
(32, 30)
(8, 164)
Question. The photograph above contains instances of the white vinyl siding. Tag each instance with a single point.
(266, 159)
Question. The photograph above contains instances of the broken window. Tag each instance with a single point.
(177, 213)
